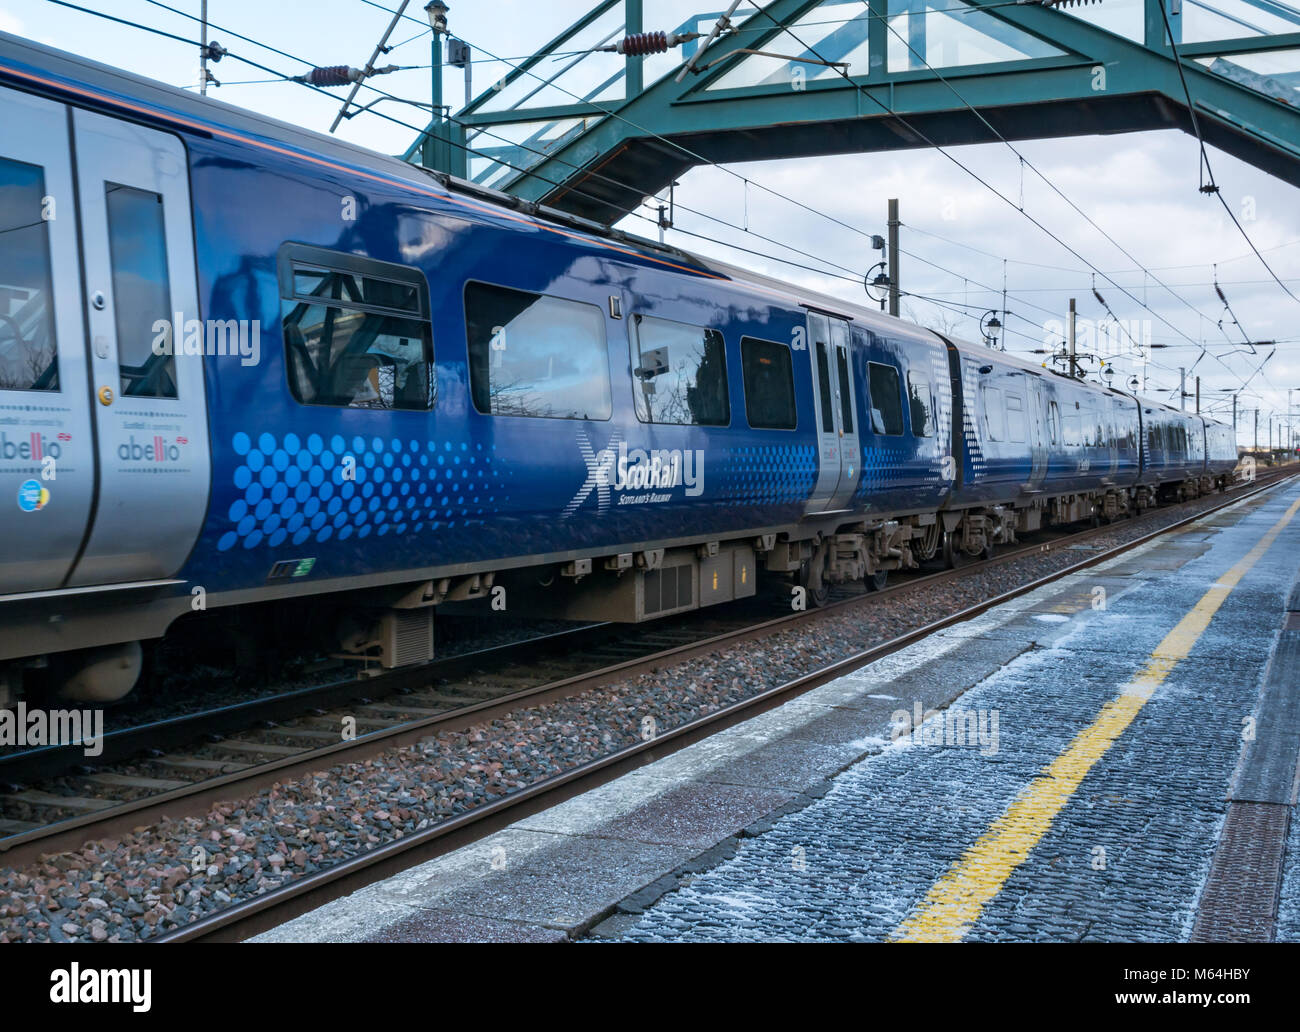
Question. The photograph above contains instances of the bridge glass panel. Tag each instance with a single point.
(1274, 73)
(945, 33)
(579, 71)
(1123, 17)
(497, 153)
(834, 32)
(1204, 20)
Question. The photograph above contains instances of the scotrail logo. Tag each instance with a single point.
(35, 447)
(639, 477)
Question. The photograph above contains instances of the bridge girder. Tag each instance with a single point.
(637, 146)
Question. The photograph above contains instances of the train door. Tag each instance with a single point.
(47, 456)
(1115, 433)
(146, 351)
(1037, 420)
(835, 410)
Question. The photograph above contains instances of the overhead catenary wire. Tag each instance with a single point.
(822, 272)
(676, 145)
(1072, 204)
(852, 277)
(1088, 218)
(746, 181)
(983, 182)
(286, 54)
(1034, 168)
(1212, 186)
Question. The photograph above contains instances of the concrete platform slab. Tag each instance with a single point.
(442, 926)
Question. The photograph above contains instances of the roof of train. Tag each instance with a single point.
(194, 110)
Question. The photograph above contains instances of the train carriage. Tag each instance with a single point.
(254, 379)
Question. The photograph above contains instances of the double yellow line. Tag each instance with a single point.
(957, 899)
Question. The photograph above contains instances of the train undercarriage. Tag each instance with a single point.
(393, 626)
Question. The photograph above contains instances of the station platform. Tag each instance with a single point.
(1112, 757)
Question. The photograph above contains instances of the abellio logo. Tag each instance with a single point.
(32, 448)
(156, 449)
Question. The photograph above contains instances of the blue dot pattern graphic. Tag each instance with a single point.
(322, 488)
(774, 475)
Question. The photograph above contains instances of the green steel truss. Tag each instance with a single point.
(596, 133)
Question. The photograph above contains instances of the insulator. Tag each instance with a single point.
(642, 43)
(334, 75)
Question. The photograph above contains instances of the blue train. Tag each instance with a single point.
(258, 379)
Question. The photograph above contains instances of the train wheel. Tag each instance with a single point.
(814, 585)
(877, 581)
(953, 556)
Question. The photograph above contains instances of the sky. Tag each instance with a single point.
(1140, 189)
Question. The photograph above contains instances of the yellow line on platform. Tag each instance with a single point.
(956, 900)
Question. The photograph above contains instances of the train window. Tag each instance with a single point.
(356, 331)
(137, 247)
(769, 384)
(1054, 422)
(921, 402)
(846, 399)
(1071, 432)
(28, 357)
(994, 414)
(536, 355)
(886, 400)
(1015, 418)
(824, 389)
(680, 373)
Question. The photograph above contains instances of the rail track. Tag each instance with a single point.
(529, 673)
